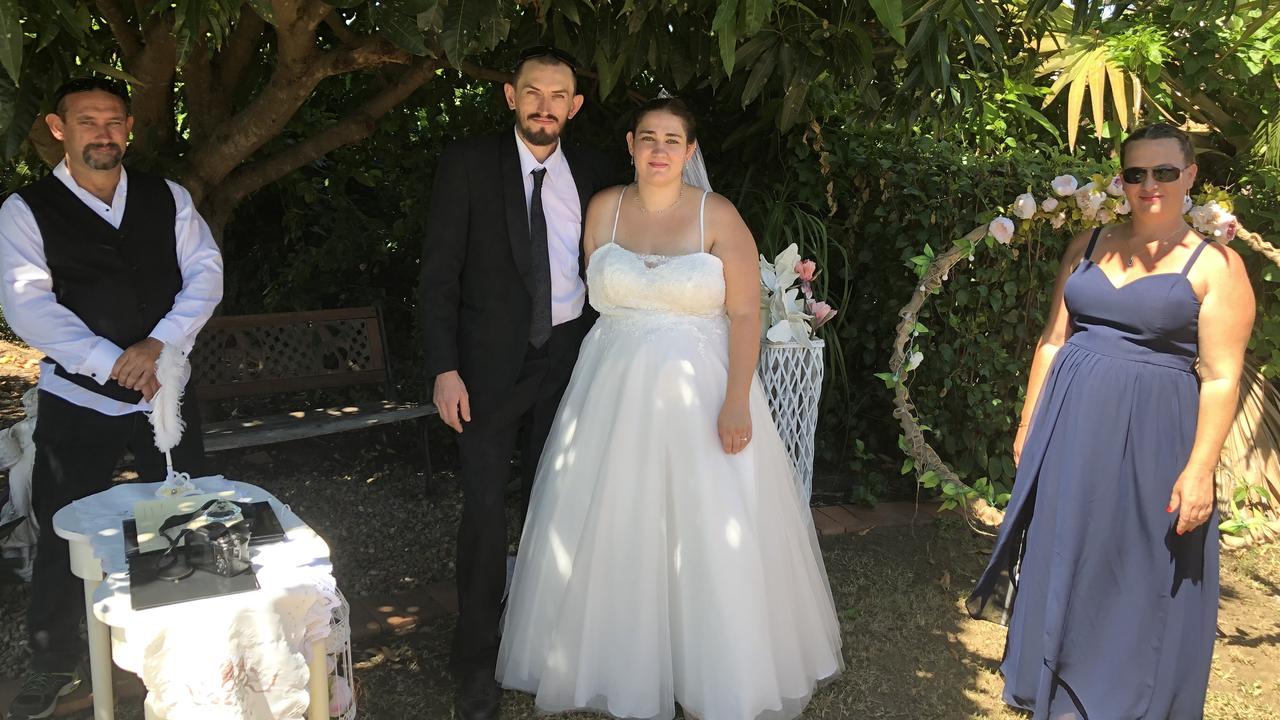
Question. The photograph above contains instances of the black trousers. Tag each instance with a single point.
(485, 448)
(77, 450)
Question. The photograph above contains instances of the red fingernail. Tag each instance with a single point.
(1169, 508)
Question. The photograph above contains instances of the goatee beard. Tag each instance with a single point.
(535, 135)
(109, 163)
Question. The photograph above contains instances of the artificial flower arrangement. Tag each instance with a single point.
(1100, 201)
(788, 310)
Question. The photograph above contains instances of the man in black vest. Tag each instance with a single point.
(503, 313)
(101, 269)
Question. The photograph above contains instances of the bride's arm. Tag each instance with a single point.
(598, 224)
(729, 239)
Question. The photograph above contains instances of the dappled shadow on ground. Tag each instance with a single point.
(910, 650)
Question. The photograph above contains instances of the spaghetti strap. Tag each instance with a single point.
(702, 225)
(1088, 252)
(1195, 255)
(614, 235)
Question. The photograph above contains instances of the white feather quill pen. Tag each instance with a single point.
(172, 372)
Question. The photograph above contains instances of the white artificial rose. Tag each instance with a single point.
(1025, 206)
(914, 361)
(1059, 220)
(1186, 204)
(1049, 204)
(1116, 187)
(1065, 185)
(1123, 208)
(1105, 216)
(1001, 229)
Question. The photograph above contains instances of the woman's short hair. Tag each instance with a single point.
(672, 105)
(1161, 131)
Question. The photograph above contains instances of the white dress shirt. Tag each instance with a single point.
(563, 210)
(34, 314)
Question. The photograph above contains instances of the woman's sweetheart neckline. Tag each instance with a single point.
(1118, 288)
(666, 258)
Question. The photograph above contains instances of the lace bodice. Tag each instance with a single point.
(620, 281)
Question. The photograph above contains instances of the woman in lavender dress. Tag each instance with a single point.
(1111, 524)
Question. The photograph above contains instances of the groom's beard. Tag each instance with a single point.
(538, 135)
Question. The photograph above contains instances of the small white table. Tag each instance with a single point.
(101, 597)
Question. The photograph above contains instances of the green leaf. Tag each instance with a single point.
(929, 479)
(761, 71)
(793, 104)
(725, 27)
(264, 10)
(461, 20)
(889, 13)
(889, 380)
(8, 99)
(11, 40)
(907, 466)
(403, 32)
(754, 15)
(608, 70)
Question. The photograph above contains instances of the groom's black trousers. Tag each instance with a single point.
(485, 446)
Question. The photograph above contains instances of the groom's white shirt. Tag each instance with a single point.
(563, 210)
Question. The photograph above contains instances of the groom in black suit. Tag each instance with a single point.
(503, 311)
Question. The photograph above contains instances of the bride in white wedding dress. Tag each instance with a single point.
(667, 557)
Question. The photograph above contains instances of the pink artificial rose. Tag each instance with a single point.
(821, 312)
(807, 270)
(806, 289)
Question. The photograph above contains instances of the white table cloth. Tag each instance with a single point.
(235, 657)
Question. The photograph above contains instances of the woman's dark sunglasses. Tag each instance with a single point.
(1162, 173)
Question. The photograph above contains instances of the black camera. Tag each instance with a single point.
(216, 538)
(219, 549)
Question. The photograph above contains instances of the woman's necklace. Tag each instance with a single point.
(1129, 244)
(646, 210)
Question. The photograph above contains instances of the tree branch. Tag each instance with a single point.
(123, 30)
(482, 73)
(339, 28)
(155, 67)
(238, 50)
(203, 97)
(352, 128)
(367, 52)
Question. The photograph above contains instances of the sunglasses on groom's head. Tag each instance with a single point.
(546, 51)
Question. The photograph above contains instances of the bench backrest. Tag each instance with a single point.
(241, 355)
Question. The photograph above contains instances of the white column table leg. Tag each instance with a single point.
(318, 684)
(84, 565)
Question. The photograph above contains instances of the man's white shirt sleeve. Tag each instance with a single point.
(30, 308)
(201, 266)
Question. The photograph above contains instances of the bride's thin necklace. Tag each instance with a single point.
(643, 209)
(1132, 252)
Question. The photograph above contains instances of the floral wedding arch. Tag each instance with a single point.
(1249, 471)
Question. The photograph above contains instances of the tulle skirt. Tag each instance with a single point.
(655, 569)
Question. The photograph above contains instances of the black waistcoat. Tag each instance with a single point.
(120, 283)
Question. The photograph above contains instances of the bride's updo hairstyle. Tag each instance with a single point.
(672, 105)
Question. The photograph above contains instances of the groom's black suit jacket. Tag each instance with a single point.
(476, 285)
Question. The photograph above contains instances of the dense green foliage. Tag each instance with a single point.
(873, 134)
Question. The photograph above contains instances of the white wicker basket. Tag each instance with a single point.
(791, 375)
(341, 671)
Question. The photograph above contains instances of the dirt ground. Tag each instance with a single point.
(910, 650)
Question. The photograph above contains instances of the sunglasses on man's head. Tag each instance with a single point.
(542, 51)
(1162, 173)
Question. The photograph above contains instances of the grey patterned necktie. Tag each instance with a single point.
(540, 324)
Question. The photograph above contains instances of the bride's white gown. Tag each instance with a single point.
(654, 568)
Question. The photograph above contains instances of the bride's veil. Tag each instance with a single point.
(695, 170)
